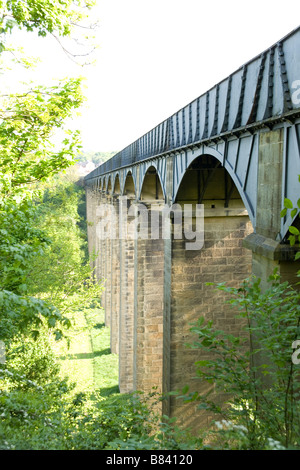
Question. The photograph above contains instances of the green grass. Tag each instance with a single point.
(88, 361)
(106, 373)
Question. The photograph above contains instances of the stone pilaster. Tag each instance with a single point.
(127, 302)
(115, 278)
(221, 259)
(151, 317)
(267, 251)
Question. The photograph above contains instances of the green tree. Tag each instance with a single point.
(61, 274)
(46, 17)
(28, 158)
(28, 122)
(262, 405)
(96, 157)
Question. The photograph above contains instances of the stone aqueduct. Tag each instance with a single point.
(235, 149)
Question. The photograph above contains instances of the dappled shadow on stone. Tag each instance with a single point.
(90, 355)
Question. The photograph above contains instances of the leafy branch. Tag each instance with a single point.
(294, 231)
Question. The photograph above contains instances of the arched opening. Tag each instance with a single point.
(117, 187)
(129, 186)
(207, 182)
(109, 186)
(222, 258)
(103, 187)
(151, 187)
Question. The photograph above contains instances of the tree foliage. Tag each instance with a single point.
(27, 123)
(96, 157)
(29, 157)
(294, 237)
(62, 275)
(254, 371)
(56, 17)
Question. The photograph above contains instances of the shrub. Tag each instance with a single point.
(261, 382)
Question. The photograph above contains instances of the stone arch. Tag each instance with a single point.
(151, 187)
(206, 181)
(129, 188)
(109, 185)
(116, 190)
(101, 185)
(210, 152)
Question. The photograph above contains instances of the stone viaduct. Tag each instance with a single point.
(235, 150)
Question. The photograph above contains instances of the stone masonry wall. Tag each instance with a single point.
(222, 259)
(154, 290)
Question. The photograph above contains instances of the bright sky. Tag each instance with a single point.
(156, 56)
